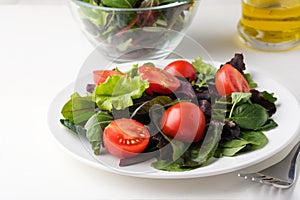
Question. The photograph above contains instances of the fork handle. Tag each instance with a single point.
(293, 155)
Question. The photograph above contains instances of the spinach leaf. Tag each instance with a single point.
(75, 128)
(256, 138)
(247, 141)
(120, 3)
(270, 124)
(250, 116)
(238, 97)
(78, 109)
(94, 129)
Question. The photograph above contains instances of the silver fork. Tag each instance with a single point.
(282, 174)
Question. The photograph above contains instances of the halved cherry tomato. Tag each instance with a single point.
(182, 68)
(160, 81)
(184, 121)
(229, 80)
(100, 76)
(125, 137)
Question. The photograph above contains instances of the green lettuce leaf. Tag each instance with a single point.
(118, 91)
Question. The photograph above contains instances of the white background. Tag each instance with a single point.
(41, 51)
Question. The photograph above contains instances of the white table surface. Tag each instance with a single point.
(41, 51)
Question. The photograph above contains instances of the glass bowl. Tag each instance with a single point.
(128, 34)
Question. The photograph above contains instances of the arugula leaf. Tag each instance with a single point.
(133, 71)
(250, 81)
(175, 162)
(200, 155)
(78, 109)
(269, 96)
(118, 92)
(206, 71)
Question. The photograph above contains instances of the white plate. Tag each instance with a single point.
(287, 116)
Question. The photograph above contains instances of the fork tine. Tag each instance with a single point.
(261, 178)
(285, 171)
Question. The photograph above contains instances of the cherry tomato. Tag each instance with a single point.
(182, 68)
(184, 121)
(160, 81)
(100, 76)
(125, 137)
(229, 80)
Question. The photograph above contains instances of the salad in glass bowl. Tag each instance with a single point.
(183, 115)
(127, 30)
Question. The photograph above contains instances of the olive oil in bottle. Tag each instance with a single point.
(270, 24)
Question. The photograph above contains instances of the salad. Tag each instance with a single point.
(184, 116)
(123, 31)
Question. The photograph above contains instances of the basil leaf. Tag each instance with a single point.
(250, 116)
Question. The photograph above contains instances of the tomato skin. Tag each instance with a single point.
(159, 80)
(125, 138)
(184, 121)
(229, 80)
(100, 76)
(182, 68)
